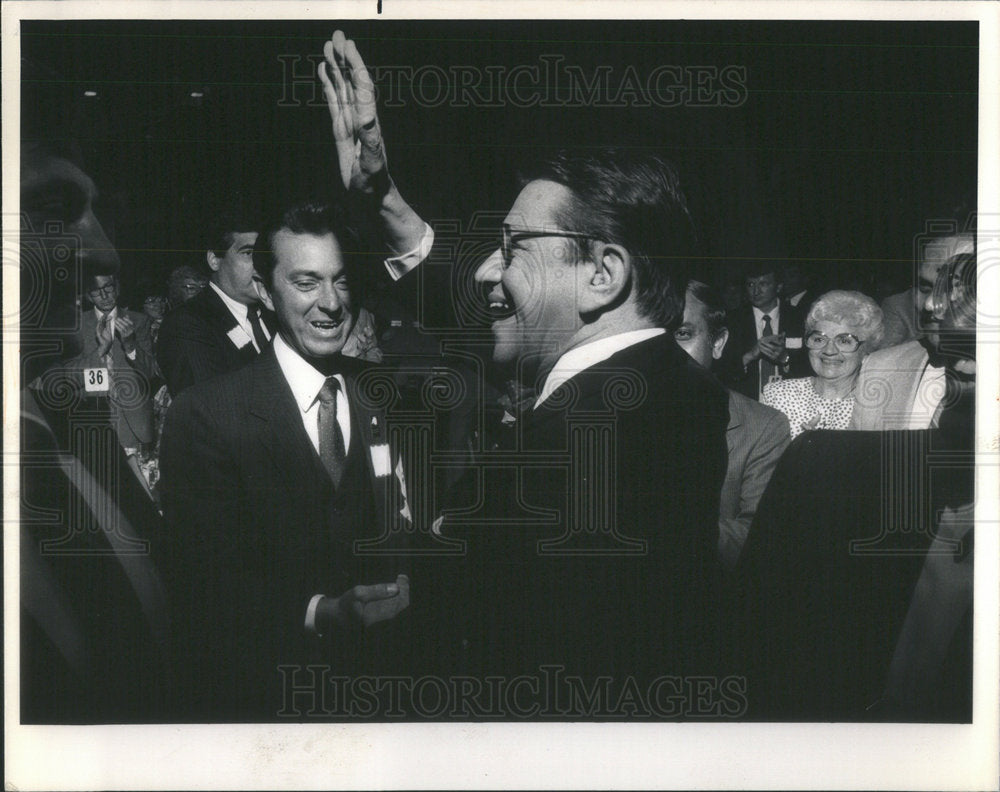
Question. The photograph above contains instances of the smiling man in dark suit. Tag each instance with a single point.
(270, 475)
(591, 545)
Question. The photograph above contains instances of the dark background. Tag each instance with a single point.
(852, 135)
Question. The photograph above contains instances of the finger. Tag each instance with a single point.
(334, 103)
(323, 69)
(364, 88)
(338, 87)
(379, 591)
(337, 42)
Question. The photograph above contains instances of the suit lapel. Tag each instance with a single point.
(283, 434)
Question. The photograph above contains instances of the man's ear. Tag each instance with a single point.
(719, 343)
(605, 277)
(212, 259)
(262, 293)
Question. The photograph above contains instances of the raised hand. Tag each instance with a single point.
(350, 97)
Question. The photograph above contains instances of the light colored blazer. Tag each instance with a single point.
(897, 389)
(899, 319)
(756, 437)
(130, 393)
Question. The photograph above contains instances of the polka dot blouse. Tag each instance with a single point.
(797, 399)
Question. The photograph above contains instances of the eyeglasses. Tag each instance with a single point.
(105, 291)
(512, 235)
(844, 342)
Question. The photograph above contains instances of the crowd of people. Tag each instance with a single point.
(654, 477)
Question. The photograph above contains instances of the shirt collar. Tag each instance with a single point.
(758, 314)
(237, 309)
(587, 355)
(304, 380)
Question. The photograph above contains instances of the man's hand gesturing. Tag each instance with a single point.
(350, 96)
(363, 606)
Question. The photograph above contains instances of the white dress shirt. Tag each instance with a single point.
(306, 383)
(774, 313)
(398, 266)
(587, 355)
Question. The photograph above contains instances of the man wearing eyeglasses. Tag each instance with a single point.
(116, 364)
(593, 546)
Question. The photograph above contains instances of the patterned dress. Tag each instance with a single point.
(797, 398)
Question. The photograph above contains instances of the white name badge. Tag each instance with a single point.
(96, 380)
(793, 343)
(239, 337)
(381, 460)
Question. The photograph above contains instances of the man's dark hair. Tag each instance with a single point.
(757, 268)
(307, 217)
(232, 216)
(634, 200)
(715, 308)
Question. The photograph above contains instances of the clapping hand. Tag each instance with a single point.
(105, 337)
(350, 97)
(126, 332)
(772, 347)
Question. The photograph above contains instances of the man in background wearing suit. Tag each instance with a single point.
(756, 436)
(271, 476)
(116, 363)
(223, 327)
(765, 337)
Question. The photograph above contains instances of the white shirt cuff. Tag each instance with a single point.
(398, 266)
(311, 615)
(130, 355)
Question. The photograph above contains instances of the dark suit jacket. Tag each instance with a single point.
(257, 530)
(130, 397)
(829, 568)
(743, 335)
(595, 547)
(193, 344)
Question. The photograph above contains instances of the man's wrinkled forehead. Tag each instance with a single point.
(539, 204)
